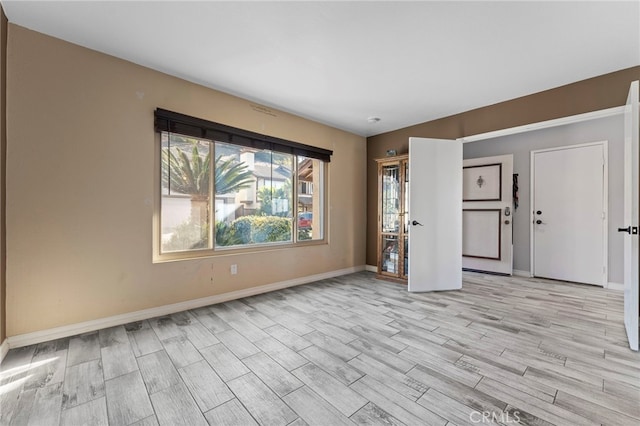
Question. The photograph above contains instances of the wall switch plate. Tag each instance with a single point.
(234, 269)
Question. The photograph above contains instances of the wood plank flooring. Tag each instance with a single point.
(349, 350)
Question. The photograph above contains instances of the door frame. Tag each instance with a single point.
(605, 202)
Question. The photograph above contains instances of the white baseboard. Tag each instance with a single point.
(515, 272)
(93, 325)
(615, 286)
(519, 273)
(4, 348)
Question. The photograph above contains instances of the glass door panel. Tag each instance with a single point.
(405, 209)
(390, 254)
(390, 198)
(405, 263)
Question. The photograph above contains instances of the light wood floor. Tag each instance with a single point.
(343, 351)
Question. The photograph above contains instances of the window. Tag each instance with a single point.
(186, 189)
(254, 202)
(232, 191)
(309, 172)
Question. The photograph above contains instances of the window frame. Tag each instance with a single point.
(160, 257)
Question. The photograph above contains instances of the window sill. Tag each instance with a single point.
(232, 251)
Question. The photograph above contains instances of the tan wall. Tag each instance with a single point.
(594, 94)
(3, 156)
(80, 189)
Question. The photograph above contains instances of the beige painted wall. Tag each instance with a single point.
(80, 189)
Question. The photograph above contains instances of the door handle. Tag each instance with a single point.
(632, 230)
(416, 223)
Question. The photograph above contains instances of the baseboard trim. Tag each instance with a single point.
(371, 268)
(515, 272)
(615, 286)
(519, 273)
(93, 325)
(4, 348)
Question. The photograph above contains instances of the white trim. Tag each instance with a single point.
(605, 211)
(519, 273)
(4, 348)
(615, 286)
(605, 201)
(93, 325)
(545, 124)
(531, 216)
(371, 268)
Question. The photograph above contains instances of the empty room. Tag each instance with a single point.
(319, 213)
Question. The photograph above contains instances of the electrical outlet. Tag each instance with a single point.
(234, 269)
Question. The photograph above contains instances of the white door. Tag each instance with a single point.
(631, 130)
(487, 214)
(568, 213)
(435, 214)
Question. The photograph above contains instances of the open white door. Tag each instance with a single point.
(435, 214)
(487, 214)
(631, 135)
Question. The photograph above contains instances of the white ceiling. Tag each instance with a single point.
(341, 62)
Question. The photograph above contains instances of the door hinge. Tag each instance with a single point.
(603, 215)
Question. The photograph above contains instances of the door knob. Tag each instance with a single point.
(539, 212)
(539, 222)
(629, 230)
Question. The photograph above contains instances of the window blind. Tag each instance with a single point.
(173, 122)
